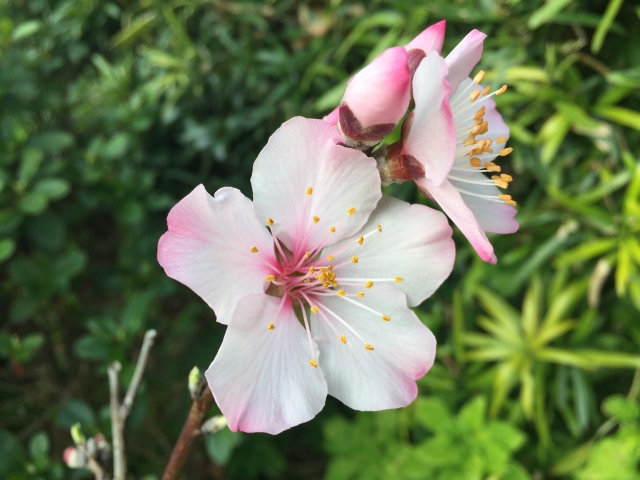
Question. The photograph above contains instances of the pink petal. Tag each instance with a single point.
(430, 39)
(415, 244)
(208, 248)
(464, 58)
(432, 138)
(493, 217)
(404, 350)
(379, 93)
(304, 153)
(454, 206)
(332, 118)
(261, 378)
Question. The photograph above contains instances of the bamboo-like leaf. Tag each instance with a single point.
(586, 251)
(527, 391)
(504, 381)
(134, 29)
(563, 357)
(490, 354)
(621, 115)
(498, 331)
(623, 270)
(499, 309)
(550, 332)
(605, 24)
(564, 302)
(531, 308)
(546, 13)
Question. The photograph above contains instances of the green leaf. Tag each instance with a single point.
(90, 347)
(30, 163)
(531, 307)
(52, 188)
(7, 247)
(52, 141)
(507, 316)
(605, 24)
(136, 28)
(75, 411)
(33, 203)
(25, 30)
(432, 413)
(220, 445)
(546, 13)
(39, 446)
(552, 134)
(621, 115)
(622, 408)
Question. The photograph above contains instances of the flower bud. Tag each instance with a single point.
(196, 383)
(73, 458)
(214, 424)
(77, 435)
(376, 98)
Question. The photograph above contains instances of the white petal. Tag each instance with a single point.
(208, 248)
(415, 244)
(404, 350)
(261, 379)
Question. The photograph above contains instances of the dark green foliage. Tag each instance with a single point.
(110, 112)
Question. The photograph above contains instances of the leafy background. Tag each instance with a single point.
(110, 112)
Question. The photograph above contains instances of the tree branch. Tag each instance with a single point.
(127, 403)
(119, 460)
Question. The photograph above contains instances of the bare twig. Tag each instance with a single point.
(127, 403)
(119, 459)
(190, 430)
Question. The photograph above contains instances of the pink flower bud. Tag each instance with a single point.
(379, 93)
(72, 458)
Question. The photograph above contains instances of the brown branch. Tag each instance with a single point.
(191, 429)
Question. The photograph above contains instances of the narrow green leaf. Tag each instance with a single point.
(564, 302)
(621, 115)
(546, 13)
(605, 24)
(586, 251)
(531, 307)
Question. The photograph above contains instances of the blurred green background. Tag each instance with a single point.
(110, 112)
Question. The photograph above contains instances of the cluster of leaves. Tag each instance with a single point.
(110, 112)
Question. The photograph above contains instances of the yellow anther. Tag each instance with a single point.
(351, 211)
(360, 294)
(479, 114)
(479, 76)
(501, 139)
(254, 249)
(306, 280)
(469, 141)
(271, 326)
(503, 89)
(343, 339)
(332, 229)
(492, 167)
(474, 95)
(309, 190)
(506, 151)
(330, 257)
(369, 284)
(368, 347)
(316, 219)
(270, 278)
(307, 254)
(486, 91)
(314, 309)
(386, 318)
(361, 240)
(506, 178)
(313, 363)
(399, 279)
(270, 221)
(504, 197)
(312, 269)
(475, 162)
(379, 228)
(487, 150)
(354, 259)
(511, 202)
(340, 293)
(500, 183)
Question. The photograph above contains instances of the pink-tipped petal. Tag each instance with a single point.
(379, 93)
(430, 39)
(304, 153)
(432, 138)
(464, 58)
(379, 378)
(209, 248)
(493, 217)
(450, 200)
(333, 117)
(261, 378)
(415, 245)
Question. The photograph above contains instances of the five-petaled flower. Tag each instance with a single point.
(314, 279)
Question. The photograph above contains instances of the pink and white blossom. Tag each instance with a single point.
(318, 302)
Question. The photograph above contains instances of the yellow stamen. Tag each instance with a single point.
(486, 91)
(313, 363)
(504, 197)
(354, 259)
(511, 202)
(271, 326)
(309, 190)
(386, 318)
(369, 284)
(306, 280)
(361, 240)
(254, 249)
(368, 347)
(270, 278)
(479, 76)
(351, 211)
(379, 228)
(340, 293)
(330, 257)
(332, 229)
(501, 139)
(270, 221)
(307, 254)
(475, 162)
(503, 89)
(506, 178)
(316, 219)
(479, 114)
(469, 141)
(399, 279)
(314, 309)
(487, 150)
(312, 269)
(492, 167)
(506, 151)
(343, 339)
(474, 95)
(360, 294)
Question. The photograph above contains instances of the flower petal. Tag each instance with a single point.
(261, 378)
(432, 138)
(304, 153)
(493, 217)
(415, 245)
(379, 93)
(430, 39)
(332, 118)
(404, 350)
(464, 58)
(208, 248)
(456, 209)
